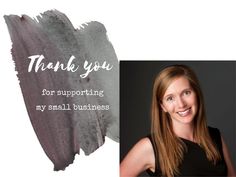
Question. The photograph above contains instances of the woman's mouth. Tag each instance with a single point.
(184, 112)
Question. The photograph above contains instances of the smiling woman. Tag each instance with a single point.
(180, 143)
(180, 101)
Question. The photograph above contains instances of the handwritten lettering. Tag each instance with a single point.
(90, 67)
(37, 60)
(37, 63)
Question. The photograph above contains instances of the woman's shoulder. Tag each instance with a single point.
(215, 136)
(145, 149)
(139, 158)
(213, 129)
(214, 132)
(144, 145)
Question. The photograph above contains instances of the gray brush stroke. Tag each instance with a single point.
(63, 133)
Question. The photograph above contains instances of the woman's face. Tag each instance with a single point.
(180, 101)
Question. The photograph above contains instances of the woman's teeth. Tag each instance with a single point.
(184, 113)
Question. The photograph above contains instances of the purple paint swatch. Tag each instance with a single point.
(65, 129)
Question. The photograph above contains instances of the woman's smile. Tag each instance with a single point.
(185, 112)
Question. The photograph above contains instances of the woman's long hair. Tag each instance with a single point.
(171, 148)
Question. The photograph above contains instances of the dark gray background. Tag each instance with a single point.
(218, 83)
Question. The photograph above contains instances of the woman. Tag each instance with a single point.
(180, 143)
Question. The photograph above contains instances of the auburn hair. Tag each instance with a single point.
(171, 148)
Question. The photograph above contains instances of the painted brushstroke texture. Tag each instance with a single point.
(63, 133)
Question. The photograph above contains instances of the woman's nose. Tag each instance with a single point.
(181, 102)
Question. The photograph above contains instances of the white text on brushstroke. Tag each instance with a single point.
(36, 64)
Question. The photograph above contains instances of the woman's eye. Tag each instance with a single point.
(169, 99)
(187, 92)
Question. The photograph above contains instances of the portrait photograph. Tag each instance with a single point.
(177, 118)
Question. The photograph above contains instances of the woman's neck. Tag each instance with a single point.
(184, 131)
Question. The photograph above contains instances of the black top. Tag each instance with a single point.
(195, 162)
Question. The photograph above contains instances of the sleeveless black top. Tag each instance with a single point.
(195, 162)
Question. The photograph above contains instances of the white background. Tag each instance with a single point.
(138, 30)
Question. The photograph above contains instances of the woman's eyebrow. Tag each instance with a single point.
(187, 89)
(171, 94)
